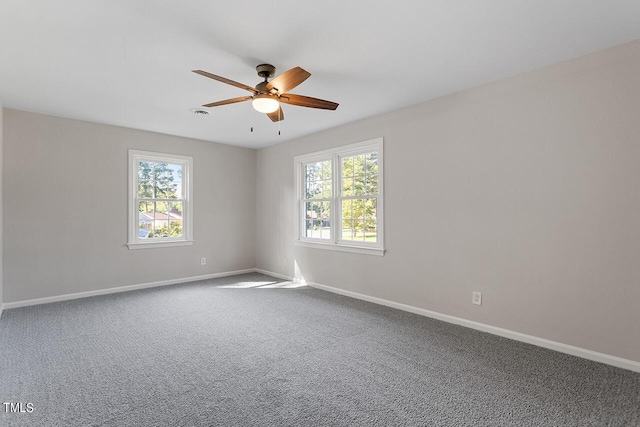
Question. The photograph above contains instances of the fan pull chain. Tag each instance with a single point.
(251, 117)
(279, 119)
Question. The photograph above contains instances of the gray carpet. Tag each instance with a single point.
(201, 354)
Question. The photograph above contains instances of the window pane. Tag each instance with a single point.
(160, 227)
(359, 220)
(145, 181)
(371, 184)
(317, 180)
(178, 190)
(358, 228)
(371, 232)
(313, 171)
(347, 229)
(176, 175)
(308, 228)
(359, 164)
(370, 209)
(347, 187)
(372, 163)
(317, 228)
(326, 169)
(356, 173)
(326, 189)
(347, 212)
(162, 206)
(145, 207)
(175, 228)
(159, 219)
(358, 208)
(310, 190)
(323, 222)
(358, 185)
(312, 210)
(347, 166)
(317, 220)
(159, 180)
(176, 210)
(325, 215)
(166, 180)
(175, 219)
(145, 220)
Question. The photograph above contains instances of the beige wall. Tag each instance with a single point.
(65, 203)
(526, 189)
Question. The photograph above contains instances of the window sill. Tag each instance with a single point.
(340, 247)
(153, 245)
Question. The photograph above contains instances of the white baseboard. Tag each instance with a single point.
(77, 295)
(540, 342)
(276, 275)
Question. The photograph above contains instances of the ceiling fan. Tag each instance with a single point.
(267, 95)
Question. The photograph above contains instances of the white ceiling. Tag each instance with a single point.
(129, 62)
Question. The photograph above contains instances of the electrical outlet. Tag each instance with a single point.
(477, 298)
(203, 261)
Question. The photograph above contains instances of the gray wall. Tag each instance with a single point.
(65, 200)
(1, 197)
(526, 189)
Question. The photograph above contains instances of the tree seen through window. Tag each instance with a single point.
(160, 207)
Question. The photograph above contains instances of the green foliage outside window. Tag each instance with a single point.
(160, 181)
(359, 178)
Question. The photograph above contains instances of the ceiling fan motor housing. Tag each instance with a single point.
(266, 71)
(262, 87)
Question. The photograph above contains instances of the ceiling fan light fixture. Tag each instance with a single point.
(265, 103)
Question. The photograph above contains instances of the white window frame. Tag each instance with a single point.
(134, 241)
(335, 155)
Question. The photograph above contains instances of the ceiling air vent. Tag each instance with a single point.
(199, 112)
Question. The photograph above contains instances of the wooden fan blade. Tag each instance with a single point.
(288, 80)
(225, 80)
(307, 101)
(277, 115)
(229, 101)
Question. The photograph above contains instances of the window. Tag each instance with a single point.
(316, 200)
(160, 200)
(340, 198)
